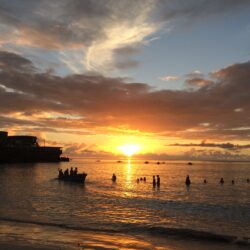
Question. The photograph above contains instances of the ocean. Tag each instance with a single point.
(38, 209)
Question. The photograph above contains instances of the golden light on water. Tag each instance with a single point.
(129, 149)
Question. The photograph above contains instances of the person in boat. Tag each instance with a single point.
(154, 181)
(75, 171)
(188, 182)
(158, 182)
(114, 178)
(60, 173)
(71, 172)
(66, 172)
(221, 180)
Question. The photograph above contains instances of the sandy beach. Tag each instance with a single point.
(21, 236)
(23, 246)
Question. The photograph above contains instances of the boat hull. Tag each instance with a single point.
(79, 178)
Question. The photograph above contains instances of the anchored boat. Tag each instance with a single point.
(80, 178)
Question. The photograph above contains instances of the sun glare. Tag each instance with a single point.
(129, 149)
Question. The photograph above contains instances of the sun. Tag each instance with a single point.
(129, 149)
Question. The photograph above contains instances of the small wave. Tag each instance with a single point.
(60, 225)
(190, 233)
(156, 230)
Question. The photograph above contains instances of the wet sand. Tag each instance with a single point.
(23, 246)
(21, 236)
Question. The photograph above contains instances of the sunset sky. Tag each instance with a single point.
(169, 77)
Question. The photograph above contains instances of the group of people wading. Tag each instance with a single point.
(156, 181)
(67, 172)
(188, 181)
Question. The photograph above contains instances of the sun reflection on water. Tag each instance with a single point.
(129, 172)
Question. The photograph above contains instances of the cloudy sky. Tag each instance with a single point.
(172, 77)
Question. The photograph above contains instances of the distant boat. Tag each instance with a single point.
(63, 158)
(146, 162)
(80, 178)
(119, 161)
(190, 163)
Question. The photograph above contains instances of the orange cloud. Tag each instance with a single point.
(95, 102)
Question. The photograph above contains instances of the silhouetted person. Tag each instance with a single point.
(138, 180)
(221, 181)
(141, 179)
(205, 181)
(247, 180)
(232, 182)
(188, 182)
(114, 178)
(66, 172)
(158, 163)
(71, 172)
(60, 174)
(158, 181)
(144, 179)
(154, 181)
(75, 171)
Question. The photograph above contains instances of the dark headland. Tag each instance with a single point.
(24, 148)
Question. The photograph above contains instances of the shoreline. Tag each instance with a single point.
(25, 246)
(20, 236)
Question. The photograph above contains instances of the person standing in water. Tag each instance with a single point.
(158, 181)
(154, 181)
(114, 178)
(188, 182)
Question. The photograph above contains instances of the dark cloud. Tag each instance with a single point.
(63, 23)
(196, 79)
(49, 24)
(71, 23)
(99, 101)
(198, 82)
(107, 32)
(14, 62)
(229, 146)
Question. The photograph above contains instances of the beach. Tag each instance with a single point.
(40, 212)
(19, 236)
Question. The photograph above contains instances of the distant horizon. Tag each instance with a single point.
(152, 161)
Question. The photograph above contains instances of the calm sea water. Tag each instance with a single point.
(30, 195)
